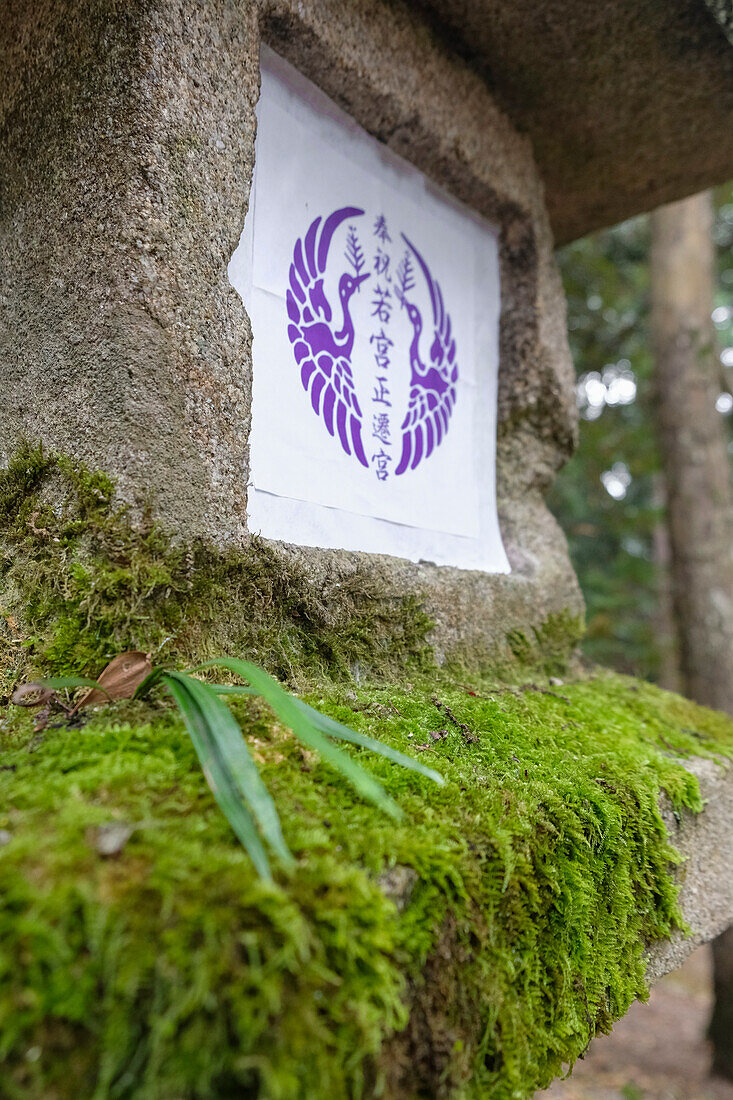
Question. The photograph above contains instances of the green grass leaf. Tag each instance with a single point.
(341, 732)
(290, 714)
(233, 689)
(57, 683)
(229, 769)
(233, 747)
(344, 733)
(149, 683)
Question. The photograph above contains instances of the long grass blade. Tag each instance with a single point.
(284, 706)
(233, 689)
(57, 683)
(217, 772)
(236, 755)
(150, 681)
(341, 732)
(344, 733)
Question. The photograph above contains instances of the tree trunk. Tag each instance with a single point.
(665, 627)
(721, 1025)
(697, 475)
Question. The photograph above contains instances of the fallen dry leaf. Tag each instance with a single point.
(120, 679)
(32, 695)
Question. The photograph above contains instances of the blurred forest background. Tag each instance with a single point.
(609, 499)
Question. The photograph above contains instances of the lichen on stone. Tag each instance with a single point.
(546, 646)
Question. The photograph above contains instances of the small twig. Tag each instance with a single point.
(673, 748)
(467, 732)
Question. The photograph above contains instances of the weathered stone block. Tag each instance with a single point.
(706, 875)
(127, 144)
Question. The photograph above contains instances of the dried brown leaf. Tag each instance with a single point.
(32, 695)
(120, 679)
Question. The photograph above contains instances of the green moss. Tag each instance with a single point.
(540, 872)
(169, 972)
(546, 647)
(79, 583)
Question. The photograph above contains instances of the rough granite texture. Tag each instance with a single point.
(126, 138)
(628, 103)
(706, 876)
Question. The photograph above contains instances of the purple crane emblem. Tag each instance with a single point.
(433, 385)
(323, 337)
(323, 343)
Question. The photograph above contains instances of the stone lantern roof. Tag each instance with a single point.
(628, 103)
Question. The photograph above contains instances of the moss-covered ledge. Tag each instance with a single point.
(82, 579)
(470, 951)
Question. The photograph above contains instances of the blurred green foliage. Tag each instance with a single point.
(606, 279)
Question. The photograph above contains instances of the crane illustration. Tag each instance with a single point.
(433, 385)
(323, 344)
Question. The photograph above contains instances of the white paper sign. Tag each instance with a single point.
(374, 301)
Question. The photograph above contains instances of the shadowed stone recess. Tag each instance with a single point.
(629, 103)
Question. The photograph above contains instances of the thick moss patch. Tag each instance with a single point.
(468, 952)
(526, 889)
(79, 582)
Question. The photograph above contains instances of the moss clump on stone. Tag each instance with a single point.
(468, 952)
(546, 647)
(525, 892)
(79, 583)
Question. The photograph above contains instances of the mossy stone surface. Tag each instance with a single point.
(536, 877)
(468, 952)
(80, 583)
